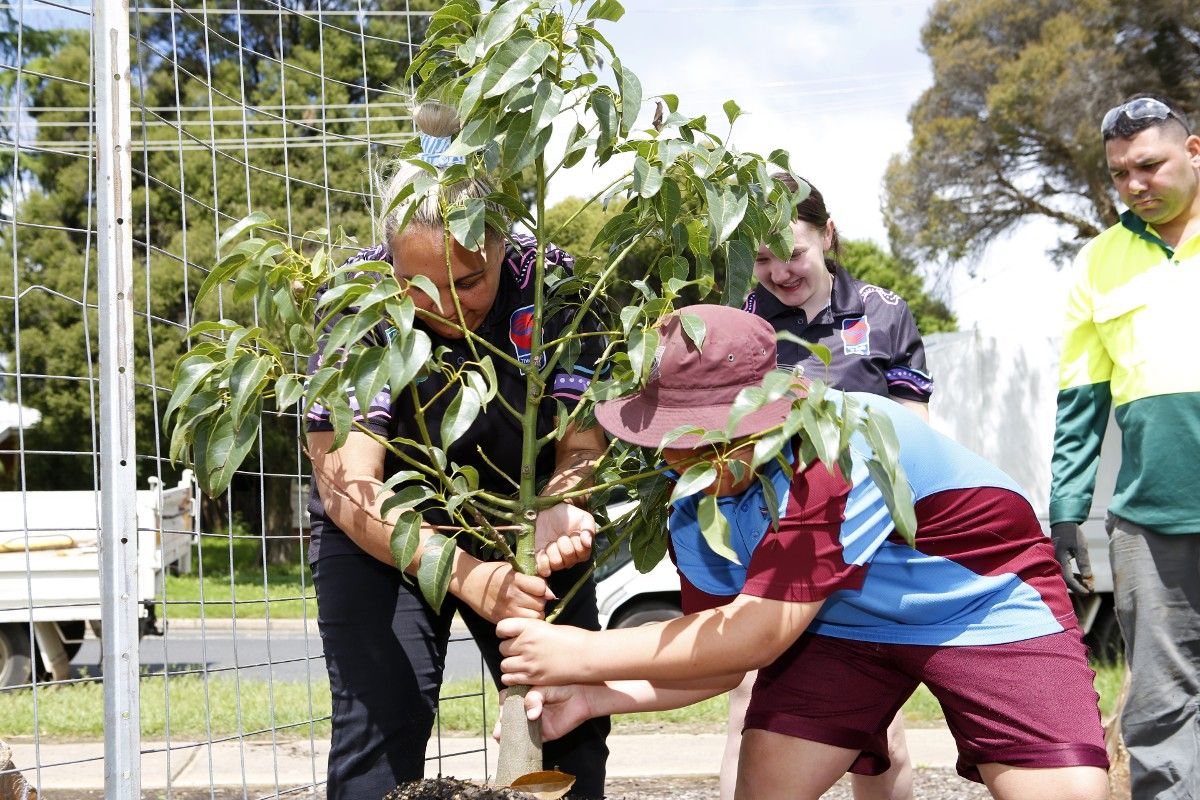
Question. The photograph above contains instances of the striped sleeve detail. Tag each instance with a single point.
(909, 383)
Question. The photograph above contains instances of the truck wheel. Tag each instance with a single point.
(647, 612)
(14, 655)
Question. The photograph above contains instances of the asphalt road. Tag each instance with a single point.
(287, 655)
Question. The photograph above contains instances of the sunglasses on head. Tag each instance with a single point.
(1141, 108)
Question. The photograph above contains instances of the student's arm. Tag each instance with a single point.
(350, 483)
(564, 532)
(748, 633)
(562, 708)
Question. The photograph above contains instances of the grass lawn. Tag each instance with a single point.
(285, 591)
(190, 707)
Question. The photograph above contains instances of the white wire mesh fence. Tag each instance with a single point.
(115, 186)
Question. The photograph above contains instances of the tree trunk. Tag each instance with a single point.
(520, 739)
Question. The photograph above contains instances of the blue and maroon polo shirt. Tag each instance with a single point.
(981, 571)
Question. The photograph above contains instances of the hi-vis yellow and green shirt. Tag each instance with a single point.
(1133, 323)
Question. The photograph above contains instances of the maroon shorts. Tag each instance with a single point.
(1026, 704)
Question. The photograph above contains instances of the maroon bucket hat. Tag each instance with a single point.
(697, 386)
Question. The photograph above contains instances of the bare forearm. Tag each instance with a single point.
(746, 634)
(624, 697)
(572, 471)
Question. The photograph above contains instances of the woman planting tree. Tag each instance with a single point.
(384, 643)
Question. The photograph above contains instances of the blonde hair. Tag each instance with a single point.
(434, 119)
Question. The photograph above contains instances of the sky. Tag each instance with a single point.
(831, 81)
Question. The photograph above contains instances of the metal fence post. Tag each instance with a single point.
(118, 464)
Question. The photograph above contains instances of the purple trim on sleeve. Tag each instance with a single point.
(379, 411)
(521, 258)
(569, 386)
(910, 378)
(377, 252)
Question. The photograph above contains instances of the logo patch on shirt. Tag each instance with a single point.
(520, 333)
(856, 336)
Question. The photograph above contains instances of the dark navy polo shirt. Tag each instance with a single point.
(496, 431)
(870, 333)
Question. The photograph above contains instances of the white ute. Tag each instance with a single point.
(50, 569)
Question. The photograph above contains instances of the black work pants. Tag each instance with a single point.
(385, 649)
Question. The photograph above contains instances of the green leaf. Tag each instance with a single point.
(513, 63)
(631, 96)
(648, 539)
(739, 270)
(403, 476)
(610, 10)
(694, 328)
(343, 418)
(647, 177)
(498, 25)
(258, 219)
(433, 575)
(898, 496)
(608, 118)
(289, 389)
(369, 377)
(318, 386)
(221, 447)
(466, 226)
(407, 356)
(223, 271)
(410, 496)
(823, 353)
(547, 102)
(715, 528)
(695, 478)
(771, 498)
(732, 111)
(246, 381)
(460, 415)
(642, 346)
(822, 436)
(768, 447)
(190, 372)
(423, 283)
(725, 210)
(405, 539)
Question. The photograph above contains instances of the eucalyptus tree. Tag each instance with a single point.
(693, 207)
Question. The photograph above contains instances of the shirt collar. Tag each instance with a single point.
(1138, 227)
(844, 300)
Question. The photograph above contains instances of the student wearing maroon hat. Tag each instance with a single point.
(841, 616)
(874, 346)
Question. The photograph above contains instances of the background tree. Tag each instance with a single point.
(215, 97)
(1009, 130)
(866, 260)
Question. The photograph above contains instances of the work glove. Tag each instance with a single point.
(1069, 543)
